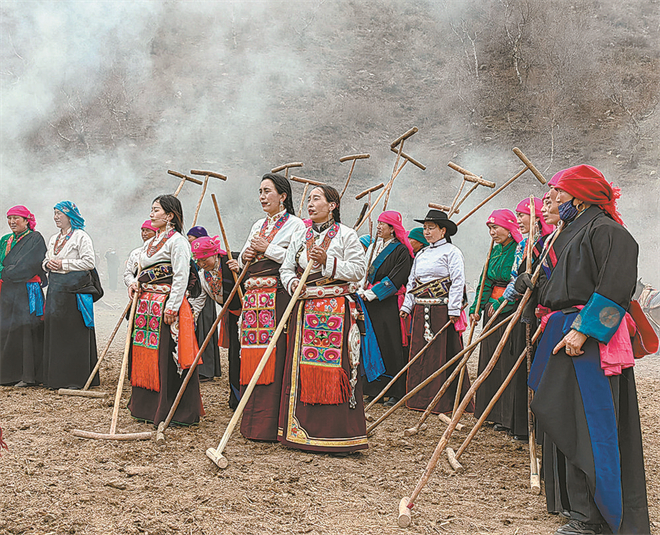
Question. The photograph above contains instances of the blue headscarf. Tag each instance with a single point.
(365, 240)
(71, 211)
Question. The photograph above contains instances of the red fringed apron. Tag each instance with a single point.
(322, 378)
(146, 336)
(259, 322)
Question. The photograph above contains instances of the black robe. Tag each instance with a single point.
(21, 333)
(592, 457)
(69, 345)
(384, 315)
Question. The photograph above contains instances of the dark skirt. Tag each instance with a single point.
(591, 424)
(261, 414)
(21, 337)
(514, 398)
(234, 358)
(69, 346)
(324, 428)
(494, 380)
(210, 366)
(447, 345)
(384, 316)
(153, 406)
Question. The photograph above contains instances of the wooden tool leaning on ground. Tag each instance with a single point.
(406, 503)
(216, 454)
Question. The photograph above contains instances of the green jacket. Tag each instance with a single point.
(497, 274)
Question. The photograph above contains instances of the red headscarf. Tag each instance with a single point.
(506, 219)
(394, 219)
(523, 208)
(21, 211)
(588, 184)
(205, 246)
(147, 224)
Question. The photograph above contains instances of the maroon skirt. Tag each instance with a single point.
(444, 348)
(318, 427)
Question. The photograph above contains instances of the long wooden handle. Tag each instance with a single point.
(369, 190)
(107, 347)
(185, 177)
(436, 374)
(475, 386)
(403, 136)
(458, 205)
(354, 157)
(529, 165)
(496, 192)
(224, 238)
(124, 363)
(408, 365)
(163, 425)
(264, 359)
(208, 173)
(307, 181)
(201, 198)
(457, 398)
(494, 399)
(286, 166)
(302, 200)
(410, 159)
(382, 193)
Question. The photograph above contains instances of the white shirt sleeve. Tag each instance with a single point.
(131, 265)
(346, 263)
(288, 267)
(457, 275)
(409, 300)
(254, 230)
(180, 258)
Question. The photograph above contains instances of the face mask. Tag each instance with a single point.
(567, 211)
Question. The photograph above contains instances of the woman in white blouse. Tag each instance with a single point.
(164, 343)
(322, 406)
(263, 305)
(69, 336)
(434, 296)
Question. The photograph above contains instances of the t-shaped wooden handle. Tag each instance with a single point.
(207, 173)
(409, 133)
(410, 159)
(286, 166)
(370, 190)
(529, 165)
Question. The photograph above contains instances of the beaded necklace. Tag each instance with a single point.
(153, 249)
(59, 245)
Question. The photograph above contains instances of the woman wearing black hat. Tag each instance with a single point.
(434, 295)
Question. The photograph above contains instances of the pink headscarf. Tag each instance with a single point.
(147, 224)
(21, 211)
(394, 219)
(205, 246)
(523, 208)
(506, 219)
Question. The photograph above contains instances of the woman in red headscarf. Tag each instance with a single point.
(217, 282)
(387, 273)
(585, 397)
(21, 300)
(503, 229)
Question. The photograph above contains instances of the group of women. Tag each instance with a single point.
(361, 315)
(49, 341)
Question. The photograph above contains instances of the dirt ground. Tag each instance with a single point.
(54, 483)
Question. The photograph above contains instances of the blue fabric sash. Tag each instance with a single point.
(600, 318)
(380, 259)
(86, 307)
(35, 298)
(599, 411)
(372, 360)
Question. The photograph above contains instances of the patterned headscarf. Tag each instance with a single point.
(71, 211)
(506, 219)
(204, 247)
(22, 211)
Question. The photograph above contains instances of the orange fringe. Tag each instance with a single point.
(250, 358)
(144, 369)
(223, 333)
(187, 347)
(323, 385)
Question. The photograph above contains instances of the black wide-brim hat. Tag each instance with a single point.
(441, 219)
